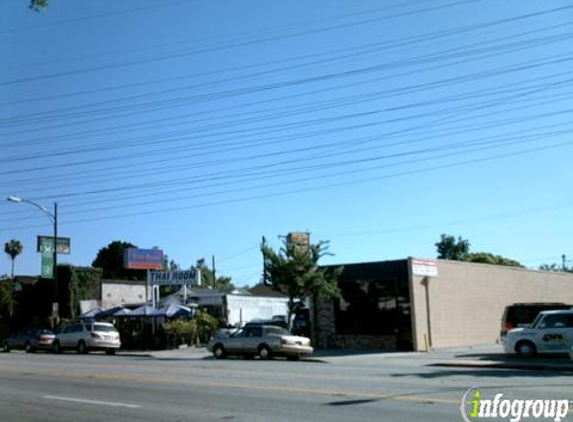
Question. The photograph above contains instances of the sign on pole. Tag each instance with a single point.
(143, 259)
(171, 278)
(48, 242)
(424, 268)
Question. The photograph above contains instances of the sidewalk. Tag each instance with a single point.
(478, 357)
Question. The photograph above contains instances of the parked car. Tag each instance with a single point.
(84, 337)
(523, 314)
(551, 332)
(274, 322)
(265, 341)
(29, 340)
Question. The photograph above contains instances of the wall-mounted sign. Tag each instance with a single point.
(143, 259)
(424, 268)
(46, 244)
(163, 278)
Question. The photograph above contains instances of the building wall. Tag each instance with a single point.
(466, 300)
(116, 294)
(244, 308)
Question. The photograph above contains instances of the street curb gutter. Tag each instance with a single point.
(505, 365)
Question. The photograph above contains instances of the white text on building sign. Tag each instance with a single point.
(164, 278)
(424, 268)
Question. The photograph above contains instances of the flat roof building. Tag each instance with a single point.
(417, 304)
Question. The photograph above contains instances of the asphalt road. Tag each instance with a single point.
(75, 388)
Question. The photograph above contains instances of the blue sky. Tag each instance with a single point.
(201, 126)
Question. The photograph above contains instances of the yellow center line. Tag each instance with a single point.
(229, 385)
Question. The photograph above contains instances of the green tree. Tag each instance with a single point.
(38, 5)
(489, 258)
(450, 248)
(459, 250)
(223, 284)
(556, 268)
(13, 248)
(110, 260)
(7, 301)
(294, 270)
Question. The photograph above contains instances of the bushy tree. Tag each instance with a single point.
(450, 248)
(489, 258)
(38, 5)
(223, 284)
(110, 260)
(7, 301)
(556, 268)
(181, 331)
(294, 270)
(459, 250)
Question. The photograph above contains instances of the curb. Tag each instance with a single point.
(507, 365)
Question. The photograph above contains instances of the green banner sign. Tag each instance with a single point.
(48, 257)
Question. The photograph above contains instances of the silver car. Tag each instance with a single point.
(30, 340)
(264, 341)
(87, 336)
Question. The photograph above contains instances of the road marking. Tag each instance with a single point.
(97, 402)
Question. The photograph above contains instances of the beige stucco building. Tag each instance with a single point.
(419, 304)
(462, 304)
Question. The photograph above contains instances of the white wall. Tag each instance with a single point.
(243, 308)
(115, 294)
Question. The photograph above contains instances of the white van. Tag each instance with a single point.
(551, 332)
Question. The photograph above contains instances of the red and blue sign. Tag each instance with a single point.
(143, 259)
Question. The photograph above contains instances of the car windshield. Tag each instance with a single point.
(536, 321)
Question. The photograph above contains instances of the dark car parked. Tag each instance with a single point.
(29, 340)
(523, 314)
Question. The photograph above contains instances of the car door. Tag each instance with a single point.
(252, 339)
(18, 342)
(71, 335)
(64, 335)
(235, 343)
(553, 334)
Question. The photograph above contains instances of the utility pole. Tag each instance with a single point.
(564, 260)
(214, 273)
(265, 282)
(56, 304)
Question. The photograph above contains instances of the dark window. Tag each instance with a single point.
(555, 321)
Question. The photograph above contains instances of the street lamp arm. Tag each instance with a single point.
(40, 207)
(54, 219)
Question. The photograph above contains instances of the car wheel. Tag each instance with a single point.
(219, 351)
(5, 347)
(82, 349)
(28, 348)
(265, 352)
(110, 352)
(56, 347)
(525, 349)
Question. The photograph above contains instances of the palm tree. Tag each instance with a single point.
(13, 248)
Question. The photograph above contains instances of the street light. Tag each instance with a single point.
(54, 218)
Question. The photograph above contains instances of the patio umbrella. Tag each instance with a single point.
(173, 310)
(110, 311)
(144, 310)
(122, 312)
(92, 313)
